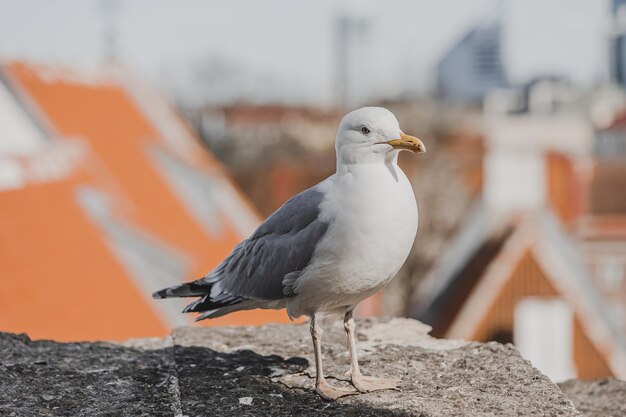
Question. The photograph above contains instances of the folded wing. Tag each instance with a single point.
(258, 268)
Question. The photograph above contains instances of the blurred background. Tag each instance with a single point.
(140, 140)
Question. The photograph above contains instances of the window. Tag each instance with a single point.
(543, 333)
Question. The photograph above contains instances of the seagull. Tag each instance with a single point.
(327, 248)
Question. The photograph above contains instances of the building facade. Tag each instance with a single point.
(473, 66)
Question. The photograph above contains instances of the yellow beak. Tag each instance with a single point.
(407, 142)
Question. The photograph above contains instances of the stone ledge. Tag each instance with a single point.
(235, 371)
(599, 398)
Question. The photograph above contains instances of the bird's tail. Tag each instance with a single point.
(217, 306)
(190, 289)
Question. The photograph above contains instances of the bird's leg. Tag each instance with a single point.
(361, 382)
(324, 389)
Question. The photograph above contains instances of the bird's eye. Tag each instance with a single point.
(365, 130)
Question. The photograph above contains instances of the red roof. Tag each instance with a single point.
(76, 250)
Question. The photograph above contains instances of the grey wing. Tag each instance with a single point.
(281, 247)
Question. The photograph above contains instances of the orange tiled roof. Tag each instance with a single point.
(59, 279)
(77, 272)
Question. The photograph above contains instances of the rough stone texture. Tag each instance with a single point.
(439, 377)
(599, 398)
(250, 371)
(42, 378)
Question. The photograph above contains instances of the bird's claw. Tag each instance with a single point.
(369, 383)
(330, 393)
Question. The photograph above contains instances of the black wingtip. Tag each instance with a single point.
(206, 315)
(159, 294)
(190, 307)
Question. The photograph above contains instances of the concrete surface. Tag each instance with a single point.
(250, 371)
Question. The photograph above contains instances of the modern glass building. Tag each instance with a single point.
(473, 66)
(618, 42)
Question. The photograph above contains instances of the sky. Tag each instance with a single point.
(283, 49)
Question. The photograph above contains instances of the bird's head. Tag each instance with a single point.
(372, 134)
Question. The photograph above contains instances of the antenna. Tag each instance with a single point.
(351, 46)
(110, 12)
